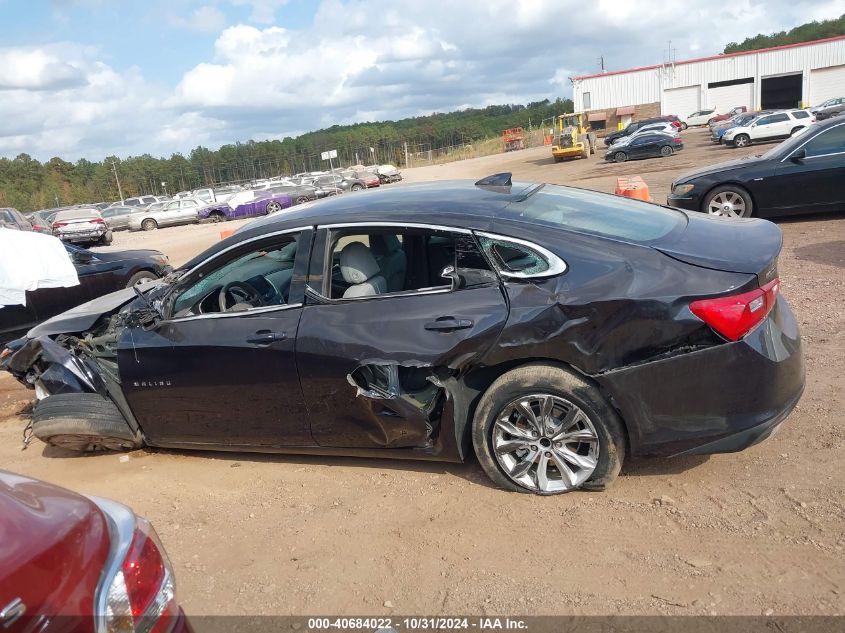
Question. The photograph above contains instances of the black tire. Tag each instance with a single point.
(149, 224)
(684, 125)
(272, 207)
(555, 380)
(746, 198)
(106, 239)
(620, 157)
(356, 188)
(216, 216)
(795, 129)
(83, 422)
(557, 159)
(301, 200)
(142, 276)
(710, 121)
(742, 140)
(666, 151)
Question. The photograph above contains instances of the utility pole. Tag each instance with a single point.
(601, 62)
(407, 163)
(119, 190)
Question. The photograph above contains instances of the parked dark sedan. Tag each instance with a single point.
(74, 563)
(550, 330)
(99, 274)
(339, 184)
(803, 174)
(632, 127)
(645, 145)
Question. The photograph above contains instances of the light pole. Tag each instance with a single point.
(164, 184)
(119, 190)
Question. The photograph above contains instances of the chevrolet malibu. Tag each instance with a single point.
(551, 331)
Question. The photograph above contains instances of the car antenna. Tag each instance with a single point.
(496, 180)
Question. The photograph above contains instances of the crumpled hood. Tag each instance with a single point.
(83, 316)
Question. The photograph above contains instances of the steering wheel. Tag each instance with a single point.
(243, 295)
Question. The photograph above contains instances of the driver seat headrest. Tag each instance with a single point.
(359, 268)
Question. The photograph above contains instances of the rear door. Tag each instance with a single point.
(372, 362)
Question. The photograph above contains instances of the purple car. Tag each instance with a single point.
(245, 204)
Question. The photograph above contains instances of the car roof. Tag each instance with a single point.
(78, 213)
(458, 203)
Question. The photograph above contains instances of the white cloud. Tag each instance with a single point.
(263, 11)
(37, 69)
(356, 60)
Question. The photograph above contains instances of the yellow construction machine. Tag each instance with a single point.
(573, 137)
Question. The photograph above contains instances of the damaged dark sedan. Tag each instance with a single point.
(551, 331)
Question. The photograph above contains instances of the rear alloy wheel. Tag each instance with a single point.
(356, 187)
(301, 200)
(149, 225)
(542, 429)
(273, 207)
(730, 202)
(742, 140)
(620, 157)
(666, 151)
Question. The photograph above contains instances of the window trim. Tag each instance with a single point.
(258, 310)
(814, 136)
(402, 293)
(557, 266)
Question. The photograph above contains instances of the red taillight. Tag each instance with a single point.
(97, 221)
(735, 316)
(677, 140)
(142, 595)
(143, 573)
(58, 225)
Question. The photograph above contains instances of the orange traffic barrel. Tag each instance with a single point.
(632, 187)
(227, 233)
(547, 139)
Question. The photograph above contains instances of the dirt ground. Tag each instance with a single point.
(757, 532)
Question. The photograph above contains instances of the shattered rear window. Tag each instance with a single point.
(600, 214)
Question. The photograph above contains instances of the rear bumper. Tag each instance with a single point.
(715, 400)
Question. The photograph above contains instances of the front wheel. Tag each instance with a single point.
(620, 157)
(141, 277)
(742, 140)
(543, 429)
(729, 201)
(273, 207)
(356, 187)
(149, 224)
(83, 422)
(665, 151)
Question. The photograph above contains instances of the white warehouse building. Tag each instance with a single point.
(795, 75)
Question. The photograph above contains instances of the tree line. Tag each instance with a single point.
(805, 33)
(27, 184)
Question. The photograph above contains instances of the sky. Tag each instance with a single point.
(94, 78)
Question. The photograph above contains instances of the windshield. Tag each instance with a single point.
(600, 214)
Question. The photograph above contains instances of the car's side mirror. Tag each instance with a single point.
(452, 275)
(799, 156)
(82, 257)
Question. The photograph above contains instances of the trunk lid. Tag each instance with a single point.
(53, 546)
(733, 245)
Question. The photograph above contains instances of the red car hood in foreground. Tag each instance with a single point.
(53, 545)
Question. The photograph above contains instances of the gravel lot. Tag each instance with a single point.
(757, 532)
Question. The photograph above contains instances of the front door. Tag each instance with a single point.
(220, 368)
(812, 182)
(384, 328)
